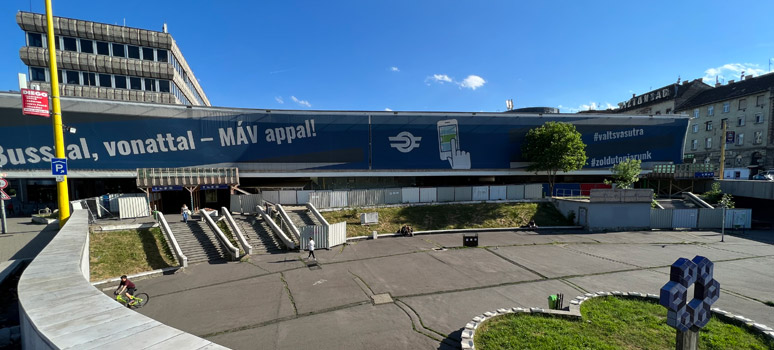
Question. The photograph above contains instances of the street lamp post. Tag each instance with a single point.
(61, 187)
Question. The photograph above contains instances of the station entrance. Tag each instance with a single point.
(168, 189)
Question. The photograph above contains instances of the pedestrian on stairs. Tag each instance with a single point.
(185, 212)
(311, 249)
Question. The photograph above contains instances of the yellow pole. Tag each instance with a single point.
(61, 187)
(723, 149)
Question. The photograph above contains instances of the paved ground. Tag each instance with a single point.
(24, 239)
(276, 301)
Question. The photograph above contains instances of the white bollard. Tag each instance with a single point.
(374, 234)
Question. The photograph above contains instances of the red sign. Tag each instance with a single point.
(35, 102)
(3, 195)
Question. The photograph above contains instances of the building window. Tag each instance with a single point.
(105, 81)
(118, 50)
(56, 42)
(150, 84)
(708, 126)
(164, 85)
(758, 137)
(162, 55)
(694, 144)
(708, 142)
(759, 101)
(658, 112)
(758, 118)
(740, 139)
(70, 44)
(726, 107)
(120, 82)
(134, 51)
(710, 111)
(73, 77)
(34, 40)
(147, 54)
(103, 48)
(742, 104)
(668, 111)
(135, 83)
(89, 79)
(696, 113)
(87, 46)
(37, 74)
(740, 121)
(695, 128)
(59, 76)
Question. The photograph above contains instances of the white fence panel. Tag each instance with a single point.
(480, 193)
(497, 193)
(445, 194)
(337, 234)
(533, 191)
(302, 197)
(338, 199)
(133, 207)
(288, 197)
(236, 204)
(271, 196)
(428, 195)
(738, 218)
(249, 202)
(318, 233)
(710, 218)
(393, 196)
(410, 194)
(365, 198)
(320, 199)
(515, 192)
(661, 218)
(685, 218)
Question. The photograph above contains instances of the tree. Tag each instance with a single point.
(554, 147)
(626, 173)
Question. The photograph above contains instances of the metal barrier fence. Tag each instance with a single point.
(387, 196)
(703, 218)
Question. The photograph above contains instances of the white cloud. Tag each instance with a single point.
(441, 78)
(394, 69)
(731, 71)
(279, 100)
(473, 82)
(388, 110)
(591, 106)
(301, 102)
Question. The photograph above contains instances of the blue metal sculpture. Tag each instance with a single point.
(692, 315)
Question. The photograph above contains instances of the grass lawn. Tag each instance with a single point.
(608, 323)
(116, 253)
(449, 216)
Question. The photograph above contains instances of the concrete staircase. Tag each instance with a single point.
(301, 216)
(198, 241)
(258, 234)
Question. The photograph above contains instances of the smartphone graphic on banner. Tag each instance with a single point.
(447, 131)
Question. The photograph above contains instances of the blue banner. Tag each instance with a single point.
(287, 141)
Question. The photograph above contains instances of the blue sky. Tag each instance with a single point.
(434, 55)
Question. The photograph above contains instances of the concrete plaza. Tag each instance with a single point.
(277, 301)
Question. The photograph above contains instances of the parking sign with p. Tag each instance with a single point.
(59, 166)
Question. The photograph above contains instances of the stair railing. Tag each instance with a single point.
(317, 214)
(237, 231)
(181, 258)
(233, 252)
(277, 230)
(285, 217)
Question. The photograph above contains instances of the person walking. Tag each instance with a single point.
(311, 249)
(185, 212)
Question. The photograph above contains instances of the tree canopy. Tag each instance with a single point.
(554, 147)
(626, 173)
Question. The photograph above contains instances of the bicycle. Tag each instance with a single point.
(140, 299)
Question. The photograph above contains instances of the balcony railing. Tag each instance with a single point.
(149, 177)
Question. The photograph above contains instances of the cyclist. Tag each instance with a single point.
(127, 287)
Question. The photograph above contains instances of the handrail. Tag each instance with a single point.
(181, 258)
(317, 214)
(286, 217)
(696, 200)
(232, 251)
(237, 231)
(277, 230)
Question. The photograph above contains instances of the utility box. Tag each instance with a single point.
(470, 239)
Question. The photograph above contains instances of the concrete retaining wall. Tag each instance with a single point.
(59, 308)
